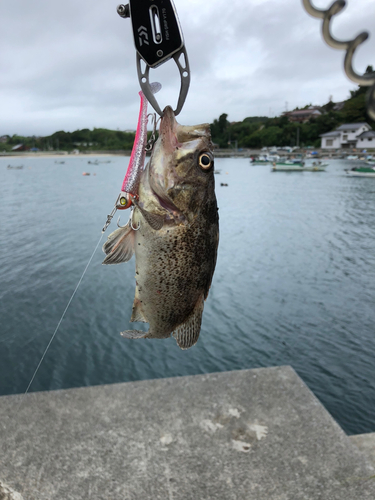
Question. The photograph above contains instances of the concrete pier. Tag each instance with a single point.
(252, 434)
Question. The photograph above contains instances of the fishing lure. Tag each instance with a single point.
(129, 189)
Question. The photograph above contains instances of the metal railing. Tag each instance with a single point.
(350, 46)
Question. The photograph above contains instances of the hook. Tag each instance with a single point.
(118, 223)
(151, 141)
(131, 222)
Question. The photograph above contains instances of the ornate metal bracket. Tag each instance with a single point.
(367, 80)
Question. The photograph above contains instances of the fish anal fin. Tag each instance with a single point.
(134, 334)
(187, 333)
(137, 314)
(119, 246)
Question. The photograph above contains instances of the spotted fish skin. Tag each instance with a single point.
(176, 244)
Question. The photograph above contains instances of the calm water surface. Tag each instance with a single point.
(294, 284)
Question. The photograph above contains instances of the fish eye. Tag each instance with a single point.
(205, 161)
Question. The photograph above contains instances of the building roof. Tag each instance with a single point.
(368, 133)
(303, 112)
(352, 126)
(331, 134)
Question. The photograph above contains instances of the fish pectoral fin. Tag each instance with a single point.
(137, 314)
(187, 333)
(119, 246)
(134, 334)
(153, 220)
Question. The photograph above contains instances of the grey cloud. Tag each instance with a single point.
(72, 65)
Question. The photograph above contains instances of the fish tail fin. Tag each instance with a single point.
(134, 334)
(187, 333)
(119, 246)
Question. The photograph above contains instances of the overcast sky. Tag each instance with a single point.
(71, 64)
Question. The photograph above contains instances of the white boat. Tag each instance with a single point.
(274, 158)
(361, 171)
(352, 157)
(290, 166)
(265, 159)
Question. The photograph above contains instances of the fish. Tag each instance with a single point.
(174, 234)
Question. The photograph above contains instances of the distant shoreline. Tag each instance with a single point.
(28, 155)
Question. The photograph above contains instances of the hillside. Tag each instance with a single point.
(256, 132)
(84, 140)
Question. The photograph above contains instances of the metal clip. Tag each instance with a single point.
(366, 80)
(157, 38)
(151, 141)
(110, 217)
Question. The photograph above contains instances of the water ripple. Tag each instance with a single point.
(295, 283)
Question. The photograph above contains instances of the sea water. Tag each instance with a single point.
(294, 283)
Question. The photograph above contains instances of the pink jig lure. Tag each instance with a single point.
(130, 185)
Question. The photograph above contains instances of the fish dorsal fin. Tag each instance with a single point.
(120, 245)
(187, 333)
(137, 314)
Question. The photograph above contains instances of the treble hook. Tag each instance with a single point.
(129, 223)
(119, 225)
(151, 141)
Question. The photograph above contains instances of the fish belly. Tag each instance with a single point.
(169, 278)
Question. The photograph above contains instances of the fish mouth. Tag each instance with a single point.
(168, 130)
(173, 135)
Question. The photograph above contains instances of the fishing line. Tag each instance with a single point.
(60, 321)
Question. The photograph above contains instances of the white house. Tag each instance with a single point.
(331, 140)
(366, 140)
(345, 136)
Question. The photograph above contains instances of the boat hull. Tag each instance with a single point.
(294, 168)
(352, 173)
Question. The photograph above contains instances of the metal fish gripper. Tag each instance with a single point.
(157, 38)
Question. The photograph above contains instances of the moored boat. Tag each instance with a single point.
(361, 171)
(293, 166)
(264, 159)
